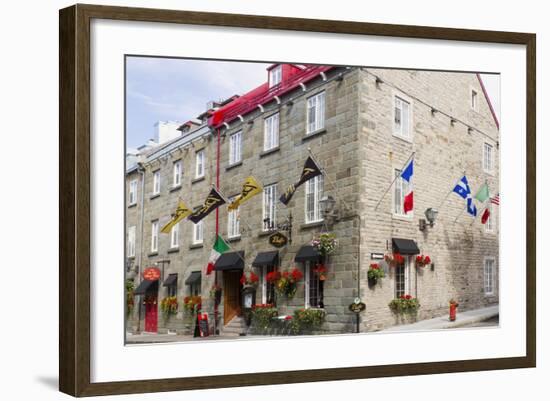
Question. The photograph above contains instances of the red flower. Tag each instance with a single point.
(374, 266)
(419, 259)
(296, 274)
(427, 260)
(273, 277)
(288, 317)
(408, 297)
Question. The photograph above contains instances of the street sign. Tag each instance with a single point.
(151, 274)
(357, 307)
(278, 239)
(376, 256)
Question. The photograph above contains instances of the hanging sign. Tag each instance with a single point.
(203, 324)
(278, 239)
(357, 306)
(151, 274)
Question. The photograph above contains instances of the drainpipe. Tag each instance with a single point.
(141, 170)
(216, 312)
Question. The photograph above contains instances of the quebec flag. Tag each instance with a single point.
(463, 190)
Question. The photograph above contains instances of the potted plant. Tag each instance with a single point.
(249, 279)
(169, 306)
(325, 244)
(307, 320)
(374, 274)
(216, 293)
(405, 304)
(262, 317)
(422, 260)
(287, 283)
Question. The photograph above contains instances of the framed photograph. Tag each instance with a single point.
(250, 200)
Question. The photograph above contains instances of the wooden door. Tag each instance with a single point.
(151, 314)
(232, 295)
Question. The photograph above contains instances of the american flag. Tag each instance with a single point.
(496, 199)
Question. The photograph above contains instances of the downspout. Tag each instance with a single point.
(216, 312)
(141, 170)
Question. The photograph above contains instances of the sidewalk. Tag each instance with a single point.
(462, 319)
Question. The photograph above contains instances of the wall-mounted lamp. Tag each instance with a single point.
(431, 215)
(328, 204)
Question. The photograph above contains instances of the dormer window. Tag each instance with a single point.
(275, 75)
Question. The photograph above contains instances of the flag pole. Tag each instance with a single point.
(394, 179)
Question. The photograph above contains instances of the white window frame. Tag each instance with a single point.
(474, 99)
(308, 275)
(200, 159)
(175, 236)
(131, 241)
(398, 100)
(233, 224)
(488, 160)
(275, 75)
(235, 147)
(154, 236)
(263, 282)
(314, 188)
(317, 103)
(271, 132)
(489, 280)
(404, 187)
(406, 277)
(156, 182)
(132, 195)
(269, 206)
(176, 178)
(198, 233)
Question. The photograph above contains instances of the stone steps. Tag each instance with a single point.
(235, 327)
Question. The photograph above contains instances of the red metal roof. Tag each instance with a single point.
(292, 77)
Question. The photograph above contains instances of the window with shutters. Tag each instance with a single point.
(269, 210)
(131, 241)
(156, 182)
(176, 181)
(402, 118)
(235, 148)
(315, 113)
(271, 132)
(314, 193)
(489, 275)
(155, 236)
(175, 236)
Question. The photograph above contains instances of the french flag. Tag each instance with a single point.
(407, 174)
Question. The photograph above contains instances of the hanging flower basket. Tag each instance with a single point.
(374, 274)
(287, 283)
(325, 244)
(249, 279)
(394, 259)
(192, 303)
(169, 306)
(422, 260)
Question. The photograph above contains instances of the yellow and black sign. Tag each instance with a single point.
(212, 202)
(251, 187)
(278, 240)
(311, 169)
(181, 212)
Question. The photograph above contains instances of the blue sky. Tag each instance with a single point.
(165, 89)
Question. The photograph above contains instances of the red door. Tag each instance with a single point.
(151, 314)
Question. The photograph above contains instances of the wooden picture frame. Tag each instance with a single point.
(75, 206)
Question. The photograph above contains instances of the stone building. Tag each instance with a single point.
(362, 126)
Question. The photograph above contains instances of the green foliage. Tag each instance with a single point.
(307, 320)
(262, 316)
(404, 304)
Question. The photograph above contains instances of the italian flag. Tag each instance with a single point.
(219, 247)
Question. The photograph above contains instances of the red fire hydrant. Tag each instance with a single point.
(452, 310)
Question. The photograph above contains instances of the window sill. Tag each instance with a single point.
(234, 239)
(403, 138)
(151, 254)
(232, 166)
(154, 196)
(262, 234)
(269, 152)
(196, 246)
(313, 224)
(314, 134)
(198, 179)
(173, 250)
(175, 188)
(131, 205)
(402, 217)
